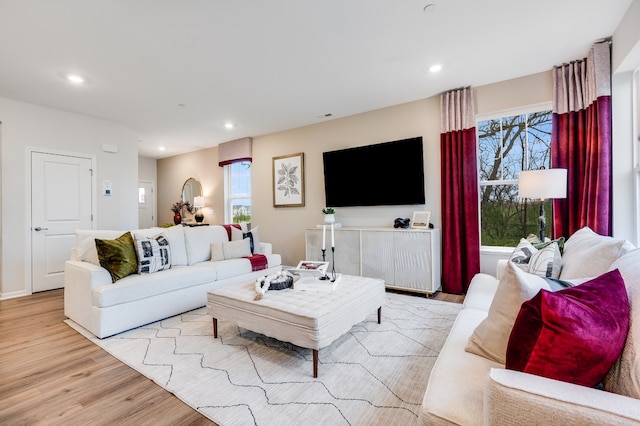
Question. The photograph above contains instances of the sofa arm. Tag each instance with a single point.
(500, 267)
(266, 248)
(513, 397)
(80, 278)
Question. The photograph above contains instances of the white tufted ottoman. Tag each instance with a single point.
(307, 319)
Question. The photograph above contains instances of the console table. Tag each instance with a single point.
(406, 259)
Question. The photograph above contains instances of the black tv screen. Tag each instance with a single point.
(385, 174)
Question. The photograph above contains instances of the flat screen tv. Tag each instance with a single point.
(384, 174)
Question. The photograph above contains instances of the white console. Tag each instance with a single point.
(406, 259)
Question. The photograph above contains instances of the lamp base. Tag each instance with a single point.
(199, 217)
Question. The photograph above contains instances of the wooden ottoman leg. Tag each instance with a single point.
(215, 328)
(379, 314)
(315, 363)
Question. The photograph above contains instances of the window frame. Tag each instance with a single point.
(509, 112)
(228, 183)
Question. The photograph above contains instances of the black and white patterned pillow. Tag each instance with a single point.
(154, 254)
(545, 262)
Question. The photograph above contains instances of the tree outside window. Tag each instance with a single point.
(506, 146)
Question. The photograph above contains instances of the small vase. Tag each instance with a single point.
(329, 218)
(177, 219)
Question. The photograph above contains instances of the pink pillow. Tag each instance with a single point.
(573, 335)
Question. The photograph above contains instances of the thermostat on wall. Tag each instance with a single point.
(106, 187)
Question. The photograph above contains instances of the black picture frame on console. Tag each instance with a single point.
(384, 174)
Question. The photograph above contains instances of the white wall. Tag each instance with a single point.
(625, 60)
(26, 126)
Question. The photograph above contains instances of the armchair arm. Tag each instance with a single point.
(512, 397)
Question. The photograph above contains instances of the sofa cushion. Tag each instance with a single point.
(138, 287)
(490, 338)
(118, 256)
(573, 335)
(624, 376)
(587, 254)
(198, 241)
(454, 394)
(154, 254)
(175, 236)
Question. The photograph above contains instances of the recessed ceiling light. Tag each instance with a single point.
(161, 148)
(435, 68)
(75, 78)
(228, 125)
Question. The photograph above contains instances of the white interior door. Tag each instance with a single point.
(61, 202)
(146, 212)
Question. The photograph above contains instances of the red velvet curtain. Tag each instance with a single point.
(459, 173)
(581, 142)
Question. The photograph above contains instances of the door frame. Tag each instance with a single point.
(155, 199)
(94, 201)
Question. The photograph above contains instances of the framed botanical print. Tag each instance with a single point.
(288, 180)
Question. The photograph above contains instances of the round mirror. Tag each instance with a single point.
(191, 189)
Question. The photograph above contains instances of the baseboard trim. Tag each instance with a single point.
(13, 295)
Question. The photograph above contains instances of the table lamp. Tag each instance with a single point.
(198, 203)
(543, 184)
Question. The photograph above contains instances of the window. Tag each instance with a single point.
(506, 146)
(237, 192)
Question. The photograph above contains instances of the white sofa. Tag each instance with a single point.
(106, 308)
(468, 389)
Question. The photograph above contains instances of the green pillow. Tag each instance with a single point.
(118, 256)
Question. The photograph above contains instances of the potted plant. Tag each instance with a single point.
(177, 207)
(329, 215)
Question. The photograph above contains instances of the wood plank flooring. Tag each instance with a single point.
(50, 374)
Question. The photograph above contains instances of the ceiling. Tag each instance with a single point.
(174, 72)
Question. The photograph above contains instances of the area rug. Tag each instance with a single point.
(376, 374)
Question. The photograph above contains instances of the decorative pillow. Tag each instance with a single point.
(587, 254)
(154, 254)
(490, 338)
(545, 262)
(624, 377)
(86, 251)
(236, 249)
(216, 252)
(118, 256)
(254, 238)
(573, 335)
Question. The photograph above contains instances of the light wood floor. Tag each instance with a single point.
(50, 374)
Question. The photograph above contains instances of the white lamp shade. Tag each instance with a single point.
(543, 183)
(198, 202)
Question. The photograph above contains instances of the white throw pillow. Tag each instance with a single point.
(217, 253)
(624, 376)
(236, 249)
(491, 337)
(154, 254)
(587, 254)
(253, 235)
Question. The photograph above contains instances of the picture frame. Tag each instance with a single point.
(421, 219)
(288, 180)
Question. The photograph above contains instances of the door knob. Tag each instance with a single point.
(38, 229)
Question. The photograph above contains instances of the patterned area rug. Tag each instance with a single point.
(376, 374)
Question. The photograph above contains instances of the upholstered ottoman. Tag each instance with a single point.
(305, 318)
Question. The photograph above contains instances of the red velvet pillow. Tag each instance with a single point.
(574, 335)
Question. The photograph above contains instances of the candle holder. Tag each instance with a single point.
(333, 264)
(325, 276)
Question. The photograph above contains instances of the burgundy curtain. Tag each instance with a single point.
(581, 142)
(460, 224)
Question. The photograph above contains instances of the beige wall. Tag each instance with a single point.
(201, 165)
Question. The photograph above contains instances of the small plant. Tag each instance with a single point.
(178, 206)
(328, 210)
